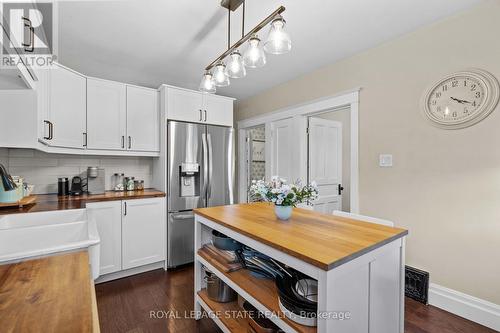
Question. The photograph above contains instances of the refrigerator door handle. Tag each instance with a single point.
(230, 166)
(210, 167)
(205, 166)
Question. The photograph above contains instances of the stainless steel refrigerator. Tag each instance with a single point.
(200, 174)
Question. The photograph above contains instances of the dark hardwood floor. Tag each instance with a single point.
(135, 304)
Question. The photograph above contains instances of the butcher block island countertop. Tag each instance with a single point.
(51, 294)
(50, 202)
(325, 241)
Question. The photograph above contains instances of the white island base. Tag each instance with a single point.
(360, 293)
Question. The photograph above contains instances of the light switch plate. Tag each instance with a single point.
(385, 160)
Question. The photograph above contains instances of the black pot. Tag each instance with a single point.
(223, 242)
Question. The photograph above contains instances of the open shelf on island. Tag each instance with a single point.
(262, 290)
(233, 323)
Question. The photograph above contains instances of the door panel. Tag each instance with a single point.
(325, 162)
(106, 114)
(221, 166)
(219, 110)
(67, 110)
(186, 148)
(108, 217)
(184, 105)
(180, 230)
(282, 149)
(143, 232)
(143, 119)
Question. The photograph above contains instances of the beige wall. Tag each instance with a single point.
(445, 185)
(344, 117)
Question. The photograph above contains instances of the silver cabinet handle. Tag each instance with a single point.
(84, 139)
(201, 115)
(205, 111)
(124, 208)
(129, 142)
(50, 130)
(31, 46)
(123, 141)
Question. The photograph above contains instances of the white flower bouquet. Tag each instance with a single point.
(279, 192)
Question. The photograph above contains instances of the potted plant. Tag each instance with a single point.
(284, 196)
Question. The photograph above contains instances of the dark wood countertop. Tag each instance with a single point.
(325, 241)
(48, 202)
(52, 294)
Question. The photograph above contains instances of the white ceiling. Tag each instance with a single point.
(150, 42)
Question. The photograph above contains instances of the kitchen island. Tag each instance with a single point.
(359, 267)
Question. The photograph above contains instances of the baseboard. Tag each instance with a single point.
(466, 306)
(129, 272)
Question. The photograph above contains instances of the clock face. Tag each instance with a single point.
(461, 99)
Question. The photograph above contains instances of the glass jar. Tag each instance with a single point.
(139, 185)
(118, 182)
(130, 183)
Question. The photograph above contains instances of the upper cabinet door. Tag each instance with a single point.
(106, 114)
(184, 105)
(67, 108)
(142, 119)
(217, 110)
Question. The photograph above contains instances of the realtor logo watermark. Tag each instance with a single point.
(28, 33)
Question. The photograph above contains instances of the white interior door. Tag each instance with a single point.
(283, 146)
(325, 162)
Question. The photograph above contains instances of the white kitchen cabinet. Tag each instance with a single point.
(142, 119)
(218, 110)
(108, 217)
(197, 107)
(143, 232)
(184, 105)
(106, 114)
(66, 126)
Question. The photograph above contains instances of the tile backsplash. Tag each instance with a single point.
(42, 169)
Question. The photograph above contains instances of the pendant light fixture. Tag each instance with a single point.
(207, 83)
(220, 77)
(278, 42)
(235, 67)
(254, 56)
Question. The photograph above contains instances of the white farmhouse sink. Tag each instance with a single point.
(29, 235)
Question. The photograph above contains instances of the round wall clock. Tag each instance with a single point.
(461, 99)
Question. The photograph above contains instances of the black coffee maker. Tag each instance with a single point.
(76, 186)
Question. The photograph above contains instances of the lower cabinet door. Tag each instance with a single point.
(108, 217)
(143, 232)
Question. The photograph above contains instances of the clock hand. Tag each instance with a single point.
(456, 100)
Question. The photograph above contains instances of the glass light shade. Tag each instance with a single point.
(219, 75)
(235, 67)
(278, 41)
(207, 84)
(254, 55)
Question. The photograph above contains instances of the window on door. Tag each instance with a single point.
(256, 154)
